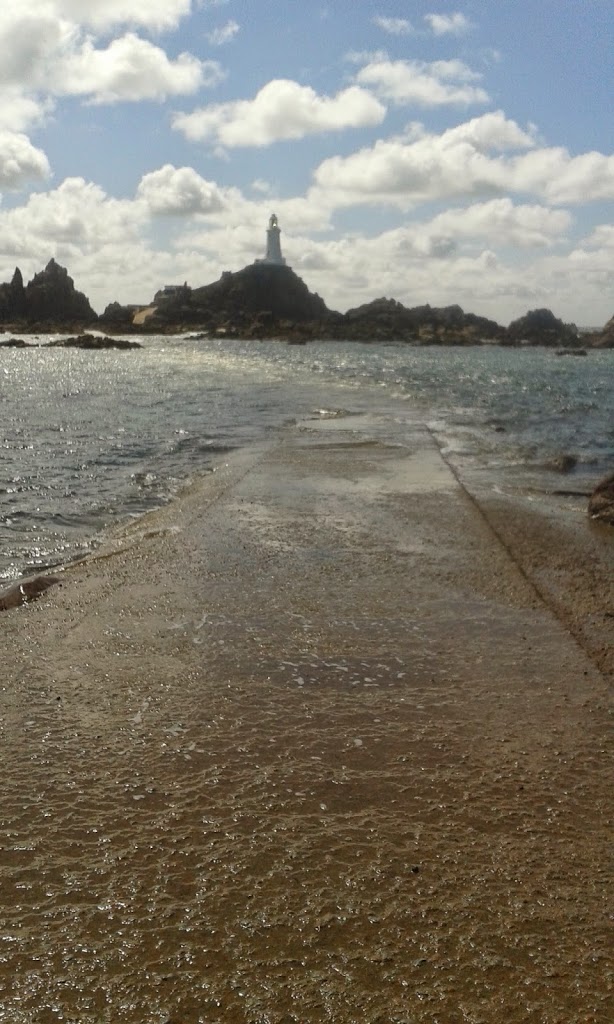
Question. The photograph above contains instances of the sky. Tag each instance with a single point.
(420, 150)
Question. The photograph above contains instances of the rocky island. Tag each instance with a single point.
(268, 300)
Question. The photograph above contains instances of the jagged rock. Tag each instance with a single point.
(13, 298)
(541, 327)
(51, 297)
(93, 341)
(601, 503)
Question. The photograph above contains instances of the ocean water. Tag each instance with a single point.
(90, 438)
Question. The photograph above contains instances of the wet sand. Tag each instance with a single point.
(325, 740)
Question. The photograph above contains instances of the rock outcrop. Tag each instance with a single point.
(254, 301)
(601, 503)
(603, 338)
(541, 327)
(50, 299)
(389, 320)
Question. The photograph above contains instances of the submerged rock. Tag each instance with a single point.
(93, 341)
(601, 503)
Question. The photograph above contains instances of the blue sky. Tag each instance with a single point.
(425, 151)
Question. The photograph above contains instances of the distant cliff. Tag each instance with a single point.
(49, 299)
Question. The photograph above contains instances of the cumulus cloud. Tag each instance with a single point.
(103, 14)
(130, 68)
(441, 83)
(20, 161)
(474, 159)
(77, 212)
(432, 167)
(282, 109)
(19, 112)
(223, 34)
(179, 191)
(499, 222)
(448, 24)
(45, 53)
(393, 26)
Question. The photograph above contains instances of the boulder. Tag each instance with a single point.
(601, 502)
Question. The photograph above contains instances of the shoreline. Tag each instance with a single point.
(308, 746)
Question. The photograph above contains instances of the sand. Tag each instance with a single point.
(327, 739)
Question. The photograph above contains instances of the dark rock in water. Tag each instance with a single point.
(563, 463)
(571, 352)
(601, 502)
(16, 343)
(25, 590)
(93, 341)
(541, 327)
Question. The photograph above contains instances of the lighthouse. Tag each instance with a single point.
(273, 244)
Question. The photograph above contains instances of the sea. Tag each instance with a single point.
(89, 439)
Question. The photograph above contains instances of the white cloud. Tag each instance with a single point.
(103, 14)
(500, 223)
(601, 237)
(448, 24)
(130, 68)
(432, 167)
(393, 26)
(18, 112)
(179, 191)
(32, 39)
(20, 161)
(282, 109)
(223, 34)
(441, 83)
(44, 53)
(460, 162)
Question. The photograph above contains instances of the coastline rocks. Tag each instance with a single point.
(601, 503)
(541, 327)
(25, 590)
(603, 338)
(389, 320)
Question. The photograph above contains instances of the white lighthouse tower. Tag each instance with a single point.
(273, 244)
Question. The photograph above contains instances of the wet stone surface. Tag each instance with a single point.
(309, 760)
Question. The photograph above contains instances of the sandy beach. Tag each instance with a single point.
(325, 739)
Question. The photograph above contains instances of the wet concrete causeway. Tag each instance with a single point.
(303, 747)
